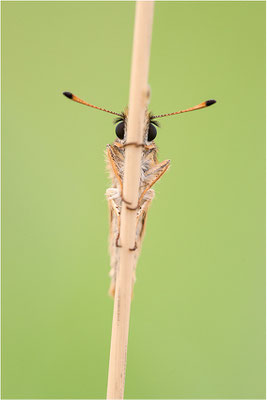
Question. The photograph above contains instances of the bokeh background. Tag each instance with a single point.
(198, 315)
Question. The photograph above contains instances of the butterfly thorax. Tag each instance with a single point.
(116, 156)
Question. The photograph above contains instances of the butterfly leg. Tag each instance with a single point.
(135, 144)
(140, 227)
(155, 174)
(134, 248)
(117, 240)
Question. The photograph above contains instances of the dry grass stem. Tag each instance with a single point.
(138, 100)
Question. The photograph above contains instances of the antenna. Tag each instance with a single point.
(198, 107)
(75, 98)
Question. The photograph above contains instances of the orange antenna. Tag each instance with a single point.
(198, 107)
(75, 98)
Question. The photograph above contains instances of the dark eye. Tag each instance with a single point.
(152, 132)
(120, 130)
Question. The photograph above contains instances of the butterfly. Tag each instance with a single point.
(151, 171)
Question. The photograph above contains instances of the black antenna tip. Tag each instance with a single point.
(210, 102)
(69, 95)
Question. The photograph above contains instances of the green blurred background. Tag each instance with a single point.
(198, 315)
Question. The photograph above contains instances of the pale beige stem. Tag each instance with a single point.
(139, 96)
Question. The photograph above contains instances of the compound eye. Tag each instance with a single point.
(152, 132)
(120, 130)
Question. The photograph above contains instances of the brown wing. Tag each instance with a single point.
(115, 161)
(114, 220)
